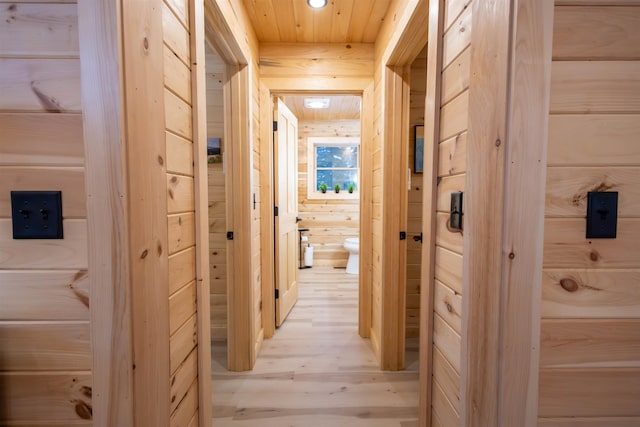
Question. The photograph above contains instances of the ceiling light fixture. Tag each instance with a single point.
(316, 103)
(317, 4)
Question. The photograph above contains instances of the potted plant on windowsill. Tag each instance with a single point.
(337, 188)
(351, 188)
(323, 187)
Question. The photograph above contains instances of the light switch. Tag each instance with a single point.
(602, 214)
(36, 214)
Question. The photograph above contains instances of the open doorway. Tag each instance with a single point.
(417, 93)
(216, 183)
(327, 186)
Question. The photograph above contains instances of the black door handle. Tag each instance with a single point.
(298, 219)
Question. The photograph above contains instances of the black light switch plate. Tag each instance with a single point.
(36, 214)
(602, 214)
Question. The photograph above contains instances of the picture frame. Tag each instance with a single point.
(418, 149)
(214, 150)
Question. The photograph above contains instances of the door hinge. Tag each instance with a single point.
(275, 211)
(275, 126)
(277, 293)
(403, 235)
(229, 235)
(418, 238)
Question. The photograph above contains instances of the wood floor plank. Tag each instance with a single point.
(317, 371)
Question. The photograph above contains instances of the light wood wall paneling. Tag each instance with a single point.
(595, 86)
(457, 37)
(41, 139)
(111, 322)
(525, 178)
(590, 342)
(70, 252)
(62, 295)
(455, 78)
(147, 197)
(394, 219)
(178, 115)
(588, 291)
(443, 409)
(292, 59)
(596, 32)
(180, 155)
(447, 378)
(266, 212)
(563, 392)
(430, 177)
(45, 346)
(177, 75)
(175, 35)
(40, 85)
(366, 213)
(241, 352)
(487, 117)
(576, 139)
(566, 247)
(194, 15)
(567, 189)
(452, 155)
(69, 180)
(592, 293)
(39, 30)
(182, 268)
(185, 411)
(183, 378)
(231, 32)
(39, 397)
(182, 342)
(453, 116)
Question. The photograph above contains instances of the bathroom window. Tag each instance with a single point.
(333, 161)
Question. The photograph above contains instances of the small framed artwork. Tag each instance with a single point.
(418, 149)
(214, 150)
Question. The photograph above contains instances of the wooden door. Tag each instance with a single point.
(285, 137)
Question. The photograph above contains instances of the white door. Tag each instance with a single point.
(285, 138)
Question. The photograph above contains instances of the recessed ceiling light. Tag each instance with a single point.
(316, 103)
(317, 4)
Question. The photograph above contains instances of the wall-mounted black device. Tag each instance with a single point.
(602, 214)
(455, 218)
(36, 214)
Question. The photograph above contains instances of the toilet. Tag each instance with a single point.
(352, 244)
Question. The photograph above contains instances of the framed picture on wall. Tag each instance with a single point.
(418, 149)
(214, 150)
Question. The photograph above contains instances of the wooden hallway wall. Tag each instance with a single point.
(590, 313)
(45, 355)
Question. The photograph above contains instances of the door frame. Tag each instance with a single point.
(270, 88)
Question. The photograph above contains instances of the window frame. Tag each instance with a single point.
(312, 143)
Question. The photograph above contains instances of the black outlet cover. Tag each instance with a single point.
(602, 214)
(36, 214)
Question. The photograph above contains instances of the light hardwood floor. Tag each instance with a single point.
(316, 371)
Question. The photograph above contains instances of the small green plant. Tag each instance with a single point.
(323, 187)
(337, 188)
(351, 187)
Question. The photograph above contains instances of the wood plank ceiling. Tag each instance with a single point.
(293, 21)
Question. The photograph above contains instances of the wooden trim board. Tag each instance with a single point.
(107, 216)
(429, 203)
(199, 126)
